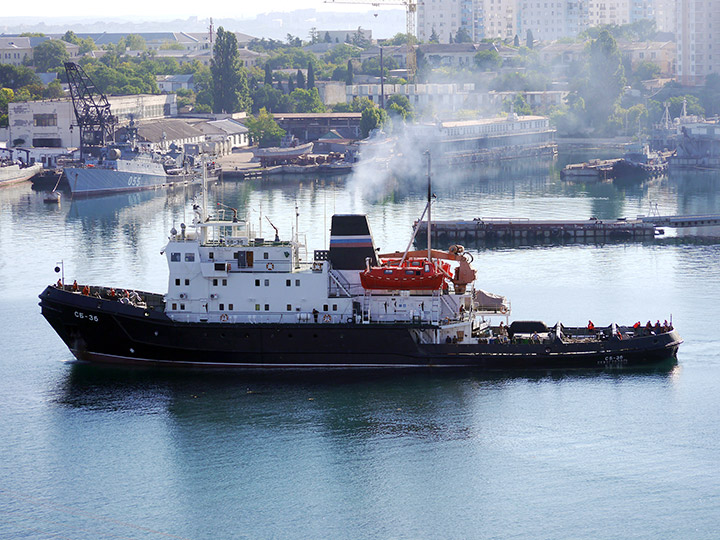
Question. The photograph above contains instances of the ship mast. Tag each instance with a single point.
(429, 206)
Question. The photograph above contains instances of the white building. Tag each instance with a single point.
(173, 83)
(698, 40)
(15, 50)
(52, 123)
(224, 135)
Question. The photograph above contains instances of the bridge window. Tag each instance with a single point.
(267, 307)
(222, 307)
(257, 282)
(288, 282)
(267, 282)
(224, 282)
(230, 307)
(177, 282)
(174, 257)
(187, 281)
(257, 307)
(189, 257)
(182, 306)
(289, 307)
(174, 307)
(215, 282)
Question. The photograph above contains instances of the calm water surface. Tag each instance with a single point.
(92, 453)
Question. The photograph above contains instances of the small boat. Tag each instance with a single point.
(413, 274)
(289, 149)
(16, 171)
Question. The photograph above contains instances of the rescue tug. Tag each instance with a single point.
(235, 300)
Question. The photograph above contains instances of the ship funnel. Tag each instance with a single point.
(351, 242)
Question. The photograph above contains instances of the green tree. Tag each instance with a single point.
(134, 42)
(605, 78)
(710, 94)
(54, 90)
(15, 77)
(307, 101)
(489, 60)
(71, 37)
(399, 105)
(264, 130)
(359, 38)
(516, 41)
(371, 66)
(50, 54)
(529, 39)
(349, 78)
(341, 53)
(314, 36)
(311, 76)
(230, 88)
(356, 105)
(268, 75)
(300, 78)
(6, 97)
(372, 118)
(401, 39)
(463, 36)
(434, 38)
(327, 39)
(172, 46)
(518, 105)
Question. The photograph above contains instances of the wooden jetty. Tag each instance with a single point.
(598, 230)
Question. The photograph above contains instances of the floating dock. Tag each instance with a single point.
(481, 230)
(505, 229)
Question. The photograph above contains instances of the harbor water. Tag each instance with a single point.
(92, 452)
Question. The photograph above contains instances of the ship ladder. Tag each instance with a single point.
(435, 308)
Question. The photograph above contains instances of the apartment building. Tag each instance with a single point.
(698, 40)
(608, 12)
(552, 20)
(440, 16)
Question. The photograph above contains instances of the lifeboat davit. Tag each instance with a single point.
(412, 275)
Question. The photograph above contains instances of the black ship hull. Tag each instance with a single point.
(105, 331)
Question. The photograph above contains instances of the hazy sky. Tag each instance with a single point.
(242, 9)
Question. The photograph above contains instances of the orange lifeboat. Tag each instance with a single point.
(414, 274)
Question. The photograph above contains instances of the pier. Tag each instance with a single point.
(481, 230)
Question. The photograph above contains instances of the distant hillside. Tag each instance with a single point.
(276, 25)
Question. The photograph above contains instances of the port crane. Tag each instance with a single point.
(92, 111)
(410, 24)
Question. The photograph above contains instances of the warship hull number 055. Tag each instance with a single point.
(235, 300)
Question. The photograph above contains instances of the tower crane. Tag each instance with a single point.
(410, 23)
(92, 110)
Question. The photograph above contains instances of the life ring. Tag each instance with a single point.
(327, 317)
(270, 266)
(503, 309)
(224, 317)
